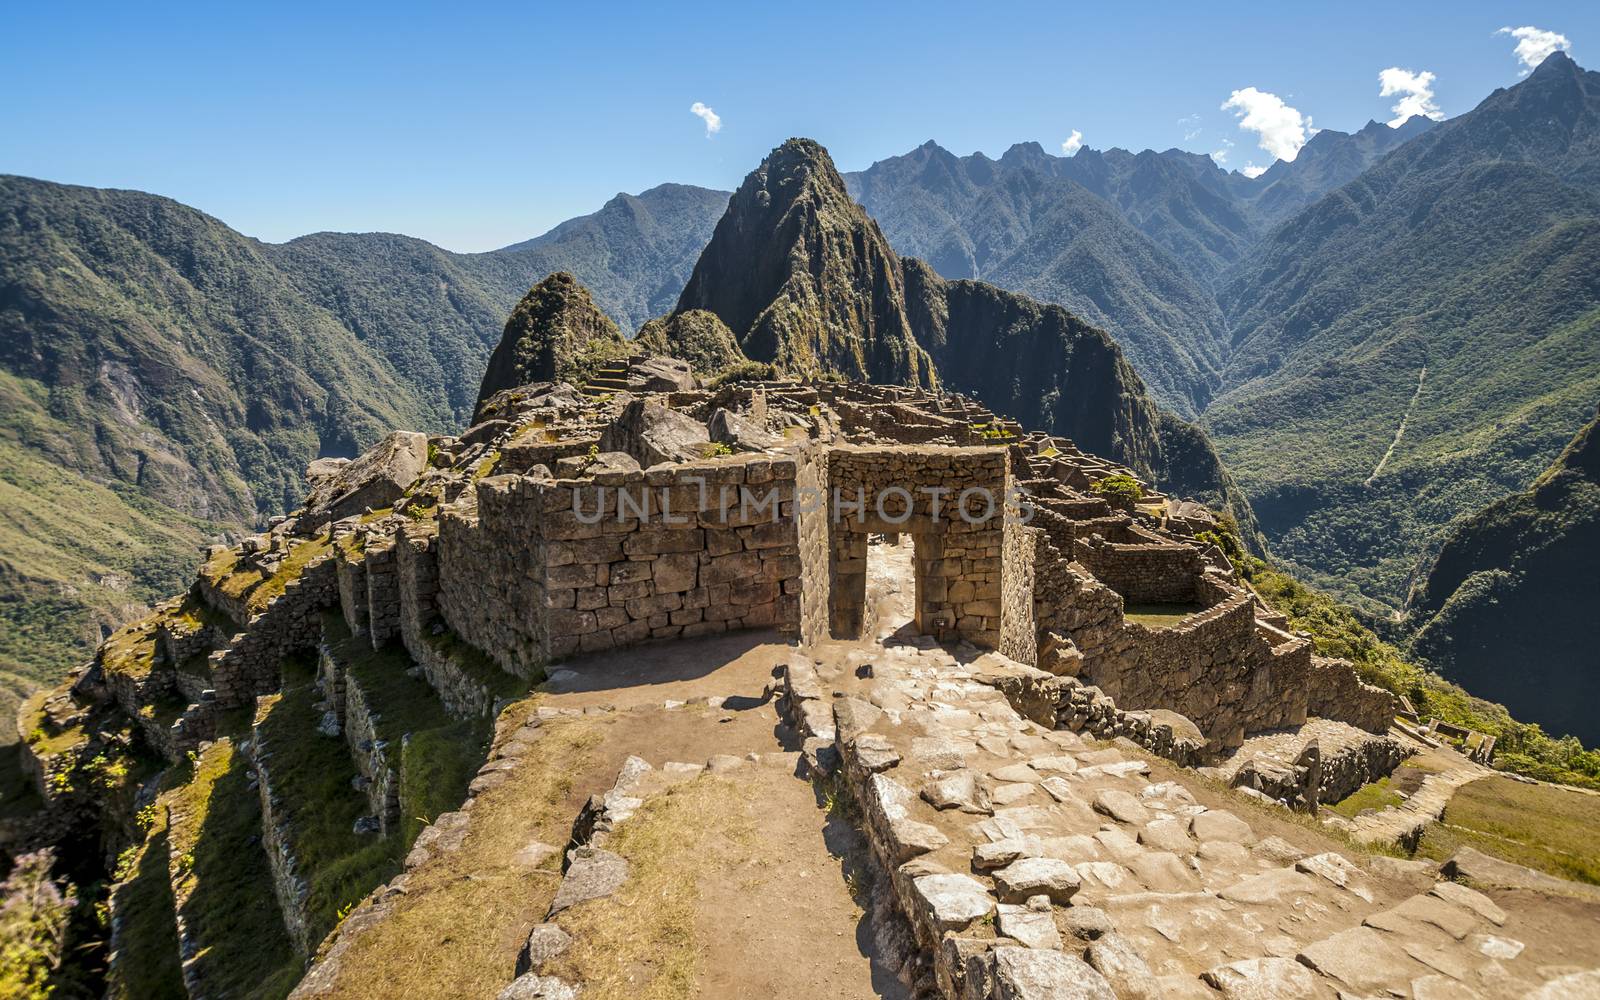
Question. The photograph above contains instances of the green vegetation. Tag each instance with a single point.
(744, 371)
(313, 777)
(1506, 607)
(1474, 326)
(1336, 630)
(1119, 488)
(438, 755)
(1160, 615)
(479, 666)
(34, 914)
(717, 449)
(222, 885)
(148, 967)
(1540, 826)
(1377, 796)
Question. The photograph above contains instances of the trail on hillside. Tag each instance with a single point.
(1399, 432)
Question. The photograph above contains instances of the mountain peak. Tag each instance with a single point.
(550, 332)
(803, 278)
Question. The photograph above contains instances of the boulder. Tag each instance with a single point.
(653, 434)
(660, 374)
(1040, 974)
(377, 479)
(739, 432)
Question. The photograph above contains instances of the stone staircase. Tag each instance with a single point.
(611, 378)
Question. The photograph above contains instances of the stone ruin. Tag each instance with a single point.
(1042, 617)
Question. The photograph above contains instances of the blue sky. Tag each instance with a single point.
(478, 125)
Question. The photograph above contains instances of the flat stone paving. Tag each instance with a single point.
(1072, 846)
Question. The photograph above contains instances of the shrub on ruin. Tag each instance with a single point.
(744, 371)
(34, 912)
(1119, 488)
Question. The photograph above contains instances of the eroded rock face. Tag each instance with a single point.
(377, 479)
(739, 432)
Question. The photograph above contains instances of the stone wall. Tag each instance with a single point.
(1337, 692)
(376, 762)
(288, 887)
(1019, 632)
(920, 490)
(1152, 572)
(351, 566)
(383, 590)
(549, 568)
(811, 480)
(291, 623)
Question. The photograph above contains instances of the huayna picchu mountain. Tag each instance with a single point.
(806, 282)
(1507, 606)
(555, 333)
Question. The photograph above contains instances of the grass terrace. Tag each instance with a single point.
(313, 777)
(221, 882)
(148, 967)
(1158, 616)
(1545, 827)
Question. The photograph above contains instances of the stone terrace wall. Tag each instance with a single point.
(1153, 572)
(288, 887)
(491, 572)
(1213, 669)
(1337, 692)
(351, 566)
(291, 623)
(383, 590)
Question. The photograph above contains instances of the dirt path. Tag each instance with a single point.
(1400, 431)
(780, 923)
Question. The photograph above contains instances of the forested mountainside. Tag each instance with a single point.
(804, 280)
(1422, 341)
(1508, 603)
(164, 378)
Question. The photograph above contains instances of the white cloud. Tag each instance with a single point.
(1534, 44)
(1415, 91)
(1282, 129)
(1073, 144)
(1252, 171)
(1221, 155)
(711, 118)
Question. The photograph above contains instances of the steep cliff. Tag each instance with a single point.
(555, 333)
(1507, 607)
(804, 279)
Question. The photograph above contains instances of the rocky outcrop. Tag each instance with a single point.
(652, 434)
(377, 479)
(556, 333)
(695, 335)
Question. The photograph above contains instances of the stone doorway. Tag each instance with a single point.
(954, 560)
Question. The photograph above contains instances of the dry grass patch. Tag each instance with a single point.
(1545, 827)
(641, 942)
(457, 930)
